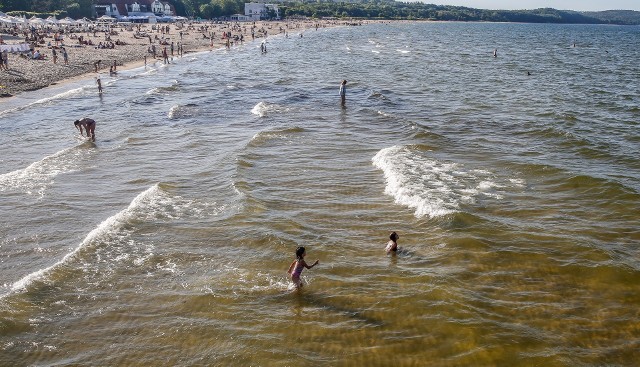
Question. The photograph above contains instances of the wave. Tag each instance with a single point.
(182, 111)
(153, 204)
(40, 174)
(164, 90)
(44, 101)
(283, 133)
(431, 187)
(263, 109)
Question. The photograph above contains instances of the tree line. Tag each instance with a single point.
(363, 9)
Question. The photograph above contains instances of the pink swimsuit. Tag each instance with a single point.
(298, 269)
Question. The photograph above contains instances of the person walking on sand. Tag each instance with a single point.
(392, 245)
(296, 267)
(4, 60)
(89, 126)
(343, 92)
(65, 56)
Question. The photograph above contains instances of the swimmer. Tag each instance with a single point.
(495, 53)
(89, 126)
(295, 269)
(392, 245)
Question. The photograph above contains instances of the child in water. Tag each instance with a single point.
(295, 270)
(392, 246)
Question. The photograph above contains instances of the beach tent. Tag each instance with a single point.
(34, 20)
(51, 20)
(106, 19)
(67, 21)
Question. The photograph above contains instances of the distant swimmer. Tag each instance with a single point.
(528, 73)
(343, 91)
(89, 126)
(392, 245)
(296, 267)
(495, 52)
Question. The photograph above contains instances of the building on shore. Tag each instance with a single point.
(137, 11)
(261, 11)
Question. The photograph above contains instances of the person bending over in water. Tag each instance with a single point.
(392, 246)
(89, 126)
(295, 270)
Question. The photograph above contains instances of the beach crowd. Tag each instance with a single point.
(50, 54)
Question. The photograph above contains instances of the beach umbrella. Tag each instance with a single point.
(106, 18)
(51, 20)
(66, 20)
(34, 20)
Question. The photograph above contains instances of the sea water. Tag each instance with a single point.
(513, 182)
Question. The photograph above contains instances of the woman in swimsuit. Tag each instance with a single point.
(295, 270)
(89, 126)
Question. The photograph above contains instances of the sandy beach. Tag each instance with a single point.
(132, 46)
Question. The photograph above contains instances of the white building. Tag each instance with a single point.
(258, 11)
(128, 8)
(161, 9)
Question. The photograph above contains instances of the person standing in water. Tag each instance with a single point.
(99, 82)
(392, 245)
(296, 267)
(89, 126)
(343, 92)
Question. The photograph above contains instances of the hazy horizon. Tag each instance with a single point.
(577, 5)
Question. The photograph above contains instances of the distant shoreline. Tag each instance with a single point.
(27, 75)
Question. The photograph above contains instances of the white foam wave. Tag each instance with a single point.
(180, 111)
(40, 174)
(263, 109)
(153, 204)
(431, 187)
(267, 135)
(44, 101)
(108, 226)
(165, 89)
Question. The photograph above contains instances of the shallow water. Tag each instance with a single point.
(167, 242)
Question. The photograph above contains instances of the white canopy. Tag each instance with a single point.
(34, 20)
(106, 18)
(67, 20)
(51, 20)
(8, 20)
